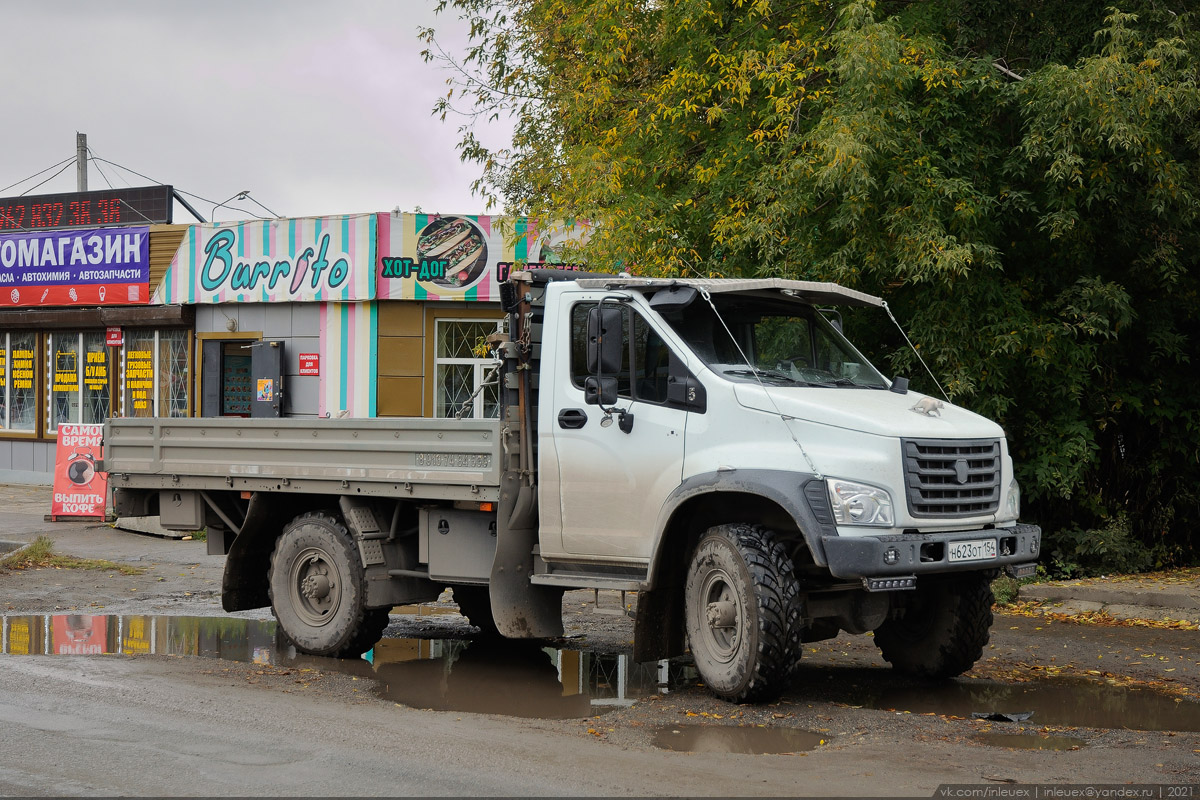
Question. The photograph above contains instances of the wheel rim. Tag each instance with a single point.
(720, 611)
(315, 586)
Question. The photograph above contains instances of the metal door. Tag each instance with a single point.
(612, 483)
(211, 372)
(266, 369)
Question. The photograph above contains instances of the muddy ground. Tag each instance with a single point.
(1094, 689)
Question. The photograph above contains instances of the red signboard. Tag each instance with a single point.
(80, 634)
(79, 490)
(114, 337)
(310, 363)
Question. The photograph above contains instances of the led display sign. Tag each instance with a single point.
(140, 206)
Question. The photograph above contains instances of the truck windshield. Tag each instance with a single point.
(784, 343)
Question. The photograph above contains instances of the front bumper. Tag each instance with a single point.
(927, 553)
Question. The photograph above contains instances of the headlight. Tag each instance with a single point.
(1014, 499)
(859, 504)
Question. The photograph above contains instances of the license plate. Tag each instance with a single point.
(978, 550)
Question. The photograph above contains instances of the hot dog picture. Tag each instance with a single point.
(460, 243)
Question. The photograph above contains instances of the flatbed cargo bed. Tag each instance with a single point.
(443, 459)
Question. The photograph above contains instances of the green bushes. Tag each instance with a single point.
(1112, 549)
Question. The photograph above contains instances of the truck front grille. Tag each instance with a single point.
(952, 477)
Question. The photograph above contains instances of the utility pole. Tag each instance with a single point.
(81, 160)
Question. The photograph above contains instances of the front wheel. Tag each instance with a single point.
(741, 612)
(318, 590)
(943, 629)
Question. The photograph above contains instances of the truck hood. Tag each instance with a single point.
(873, 411)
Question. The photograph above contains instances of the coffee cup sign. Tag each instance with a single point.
(79, 490)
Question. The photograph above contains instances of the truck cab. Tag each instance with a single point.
(737, 415)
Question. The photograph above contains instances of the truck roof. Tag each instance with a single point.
(810, 291)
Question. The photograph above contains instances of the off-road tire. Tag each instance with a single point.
(943, 631)
(317, 589)
(741, 612)
(475, 603)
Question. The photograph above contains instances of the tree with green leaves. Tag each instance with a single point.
(1019, 180)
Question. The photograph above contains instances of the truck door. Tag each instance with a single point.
(612, 484)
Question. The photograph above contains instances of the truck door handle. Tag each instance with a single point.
(572, 418)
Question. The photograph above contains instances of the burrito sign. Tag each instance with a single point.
(309, 259)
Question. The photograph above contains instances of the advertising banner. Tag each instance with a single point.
(274, 261)
(109, 266)
(79, 490)
(432, 257)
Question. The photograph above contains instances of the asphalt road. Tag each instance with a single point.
(1122, 700)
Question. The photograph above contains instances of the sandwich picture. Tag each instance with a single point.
(460, 243)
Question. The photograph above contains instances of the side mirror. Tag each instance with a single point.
(834, 317)
(604, 341)
(599, 391)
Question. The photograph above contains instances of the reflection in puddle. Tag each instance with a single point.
(515, 678)
(1030, 741)
(730, 739)
(1069, 702)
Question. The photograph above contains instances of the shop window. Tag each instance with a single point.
(19, 379)
(173, 367)
(461, 365)
(139, 373)
(78, 376)
(157, 373)
(97, 389)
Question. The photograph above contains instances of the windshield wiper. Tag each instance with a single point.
(762, 373)
(834, 382)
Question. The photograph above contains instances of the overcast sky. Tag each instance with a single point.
(314, 107)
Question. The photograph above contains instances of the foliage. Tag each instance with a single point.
(1109, 550)
(40, 554)
(1020, 181)
(1006, 590)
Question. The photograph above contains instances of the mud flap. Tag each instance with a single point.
(521, 610)
(248, 563)
(658, 630)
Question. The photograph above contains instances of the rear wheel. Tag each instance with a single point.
(742, 611)
(317, 588)
(942, 631)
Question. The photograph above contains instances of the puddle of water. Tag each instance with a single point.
(730, 739)
(514, 678)
(1069, 702)
(1030, 741)
(422, 610)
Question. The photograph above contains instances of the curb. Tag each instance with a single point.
(11, 548)
(1132, 603)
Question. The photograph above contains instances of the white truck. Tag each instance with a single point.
(716, 446)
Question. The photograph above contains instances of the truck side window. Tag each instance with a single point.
(651, 360)
(579, 348)
(647, 381)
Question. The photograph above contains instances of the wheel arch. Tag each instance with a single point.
(248, 562)
(773, 499)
